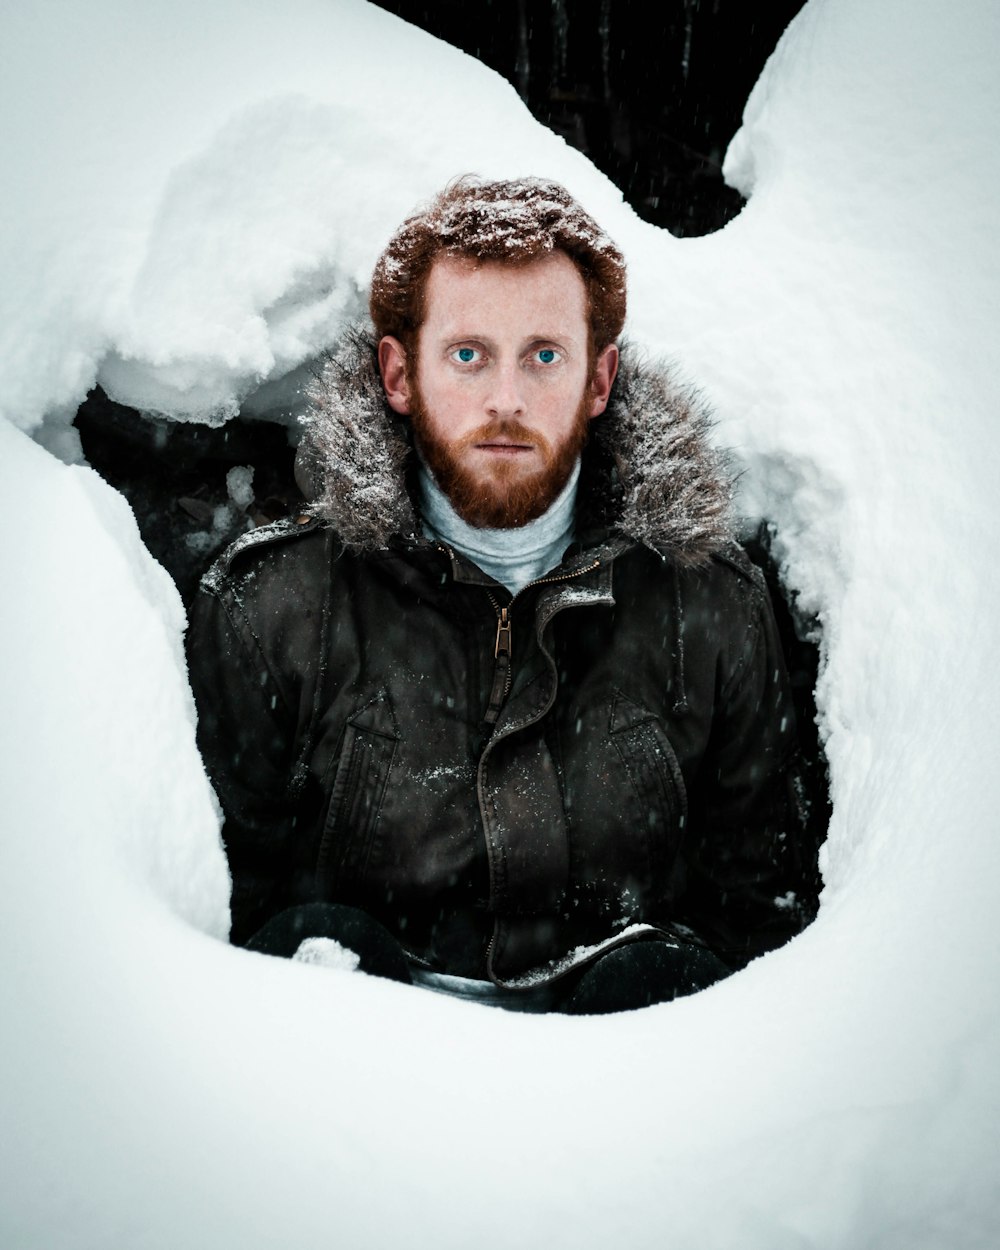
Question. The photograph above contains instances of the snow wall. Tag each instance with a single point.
(194, 196)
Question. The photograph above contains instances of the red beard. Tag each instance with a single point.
(500, 496)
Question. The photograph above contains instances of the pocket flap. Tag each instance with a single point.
(376, 717)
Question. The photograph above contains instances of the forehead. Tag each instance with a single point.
(540, 296)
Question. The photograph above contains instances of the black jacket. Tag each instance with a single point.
(505, 784)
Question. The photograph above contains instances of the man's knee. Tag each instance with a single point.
(379, 954)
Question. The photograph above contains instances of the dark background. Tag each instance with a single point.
(652, 102)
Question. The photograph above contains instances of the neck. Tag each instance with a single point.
(514, 557)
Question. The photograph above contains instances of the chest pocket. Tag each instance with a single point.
(653, 770)
(360, 773)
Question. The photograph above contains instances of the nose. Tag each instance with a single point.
(505, 398)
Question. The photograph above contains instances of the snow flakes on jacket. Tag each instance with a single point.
(649, 470)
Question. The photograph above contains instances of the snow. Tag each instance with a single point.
(239, 485)
(327, 953)
(193, 200)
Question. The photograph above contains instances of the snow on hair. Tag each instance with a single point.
(513, 221)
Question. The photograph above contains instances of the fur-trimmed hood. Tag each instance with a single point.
(649, 470)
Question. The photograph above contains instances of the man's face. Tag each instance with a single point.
(503, 392)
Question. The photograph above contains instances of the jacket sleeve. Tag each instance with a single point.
(751, 878)
(246, 740)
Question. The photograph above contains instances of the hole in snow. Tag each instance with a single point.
(195, 488)
(800, 637)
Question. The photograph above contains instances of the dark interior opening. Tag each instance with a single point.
(653, 101)
(178, 479)
(176, 475)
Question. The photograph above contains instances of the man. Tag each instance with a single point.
(504, 710)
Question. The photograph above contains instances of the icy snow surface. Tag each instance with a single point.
(193, 199)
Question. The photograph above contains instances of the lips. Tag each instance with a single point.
(500, 447)
(502, 441)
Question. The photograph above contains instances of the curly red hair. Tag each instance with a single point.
(514, 222)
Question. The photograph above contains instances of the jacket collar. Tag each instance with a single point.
(649, 472)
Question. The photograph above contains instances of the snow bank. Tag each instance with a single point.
(202, 192)
(194, 199)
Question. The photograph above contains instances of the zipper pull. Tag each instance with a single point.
(503, 646)
(501, 671)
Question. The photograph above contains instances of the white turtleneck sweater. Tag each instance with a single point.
(514, 557)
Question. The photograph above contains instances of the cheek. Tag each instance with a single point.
(451, 407)
(563, 410)
(448, 410)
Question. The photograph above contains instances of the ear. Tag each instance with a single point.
(392, 366)
(604, 376)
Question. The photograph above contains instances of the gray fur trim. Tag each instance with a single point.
(675, 488)
(651, 472)
(355, 449)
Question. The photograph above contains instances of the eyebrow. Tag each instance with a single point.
(453, 335)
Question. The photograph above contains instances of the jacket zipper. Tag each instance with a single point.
(502, 677)
(501, 688)
(503, 650)
(502, 655)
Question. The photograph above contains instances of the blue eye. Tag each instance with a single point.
(465, 355)
(547, 355)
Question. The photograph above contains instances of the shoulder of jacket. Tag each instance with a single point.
(733, 557)
(730, 587)
(257, 544)
(727, 563)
